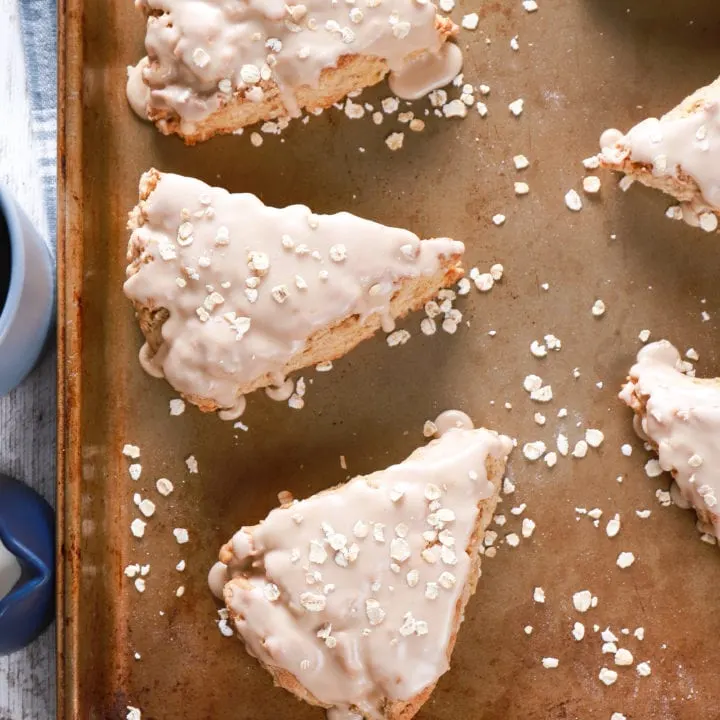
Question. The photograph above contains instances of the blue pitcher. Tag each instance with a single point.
(27, 531)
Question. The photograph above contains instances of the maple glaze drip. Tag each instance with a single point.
(452, 419)
(427, 72)
(355, 591)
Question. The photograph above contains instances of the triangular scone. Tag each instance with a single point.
(353, 598)
(680, 416)
(233, 295)
(216, 66)
(678, 154)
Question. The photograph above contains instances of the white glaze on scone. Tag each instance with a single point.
(202, 52)
(246, 285)
(672, 145)
(355, 591)
(680, 415)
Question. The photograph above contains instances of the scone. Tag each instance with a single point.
(352, 599)
(680, 416)
(678, 154)
(233, 295)
(215, 66)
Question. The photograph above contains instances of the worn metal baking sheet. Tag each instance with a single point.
(583, 65)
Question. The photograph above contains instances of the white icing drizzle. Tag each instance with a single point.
(675, 144)
(427, 72)
(682, 418)
(246, 285)
(204, 51)
(281, 392)
(355, 591)
(449, 419)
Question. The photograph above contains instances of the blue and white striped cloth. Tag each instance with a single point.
(39, 27)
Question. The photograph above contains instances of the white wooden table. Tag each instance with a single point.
(27, 415)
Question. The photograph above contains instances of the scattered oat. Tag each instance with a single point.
(395, 140)
(607, 676)
(470, 21)
(530, 5)
(543, 394)
(528, 527)
(539, 595)
(598, 309)
(192, 465)
(177, 406)
(133, 713)
(516, 107)
(625, 560)
(582, 601)
(652, 468)
(455, 108)
(131, 451)
(623, 657)
(522, 188)
(591, 184)
(498, 219)
(520, 162)
(563, 444)
(594, 438)
(551, 459)
(643, 669)
(573, 201)
(580, 449)
(399, 337)
(626, 450)
(613, 526)
(137, 527)
(578, 631)
(534, 450)
(497, 271)
(135, 470)
(181, 535)
(550, 662)
(644, 336)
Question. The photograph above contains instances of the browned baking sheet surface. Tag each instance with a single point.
(583, 65)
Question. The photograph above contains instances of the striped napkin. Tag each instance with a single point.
(38, 19)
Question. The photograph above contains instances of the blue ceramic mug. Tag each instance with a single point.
(27, 565)
(27, 293)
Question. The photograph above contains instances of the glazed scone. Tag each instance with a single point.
(215, 66)
(680, 416)
(353, 598)
(678, 154)
(233, 295)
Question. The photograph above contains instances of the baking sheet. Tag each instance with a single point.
(583, 65)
